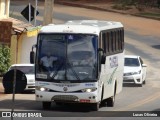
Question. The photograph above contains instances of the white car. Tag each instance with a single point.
(134, 70)
(28, 70)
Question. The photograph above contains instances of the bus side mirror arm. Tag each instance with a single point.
(32, 55)
(103, 57)
(34, 46)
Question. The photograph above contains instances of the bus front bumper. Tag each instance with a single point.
(90, 97)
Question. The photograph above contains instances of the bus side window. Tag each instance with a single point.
(120, 39)
(114, 41)
(107, 42)
(111, 41)
(104, 42)
(117, 42)
(121, 35)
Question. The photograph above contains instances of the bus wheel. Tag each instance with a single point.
(95, 106)
(110, 101)
(46, 105)
(104, 103)
(6, 91)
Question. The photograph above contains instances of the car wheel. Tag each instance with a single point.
(144, 82)
(46, 105)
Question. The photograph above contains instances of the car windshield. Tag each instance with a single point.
(67, 57)
(24, 69)
(133, 62)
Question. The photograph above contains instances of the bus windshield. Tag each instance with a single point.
(70, 57)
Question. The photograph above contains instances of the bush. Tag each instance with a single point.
(120, 7)
(4, 59)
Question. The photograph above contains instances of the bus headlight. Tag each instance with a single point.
(42, 88)
(89, 90)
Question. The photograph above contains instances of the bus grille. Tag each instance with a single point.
(69, 98)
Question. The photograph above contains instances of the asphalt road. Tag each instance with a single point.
(144, 42)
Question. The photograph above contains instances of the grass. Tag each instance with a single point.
(120, 7)
(150, 15)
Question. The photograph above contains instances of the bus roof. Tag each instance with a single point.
(81, 26)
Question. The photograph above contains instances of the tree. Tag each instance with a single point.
(4, 58)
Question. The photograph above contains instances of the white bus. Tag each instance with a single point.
(69, 80)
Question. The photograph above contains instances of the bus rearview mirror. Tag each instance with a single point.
(103, 57)
(32, 56)
(100, 50)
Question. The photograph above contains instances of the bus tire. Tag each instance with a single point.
(46, 105)
(6, 91)
(103, 102)
(111, 100)
(95, 106)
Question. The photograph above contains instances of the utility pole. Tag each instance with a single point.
(29, 13)
(35, 13)
(48, 12)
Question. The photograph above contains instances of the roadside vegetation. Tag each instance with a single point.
(4, 59)
(139, 4)
(143, 8)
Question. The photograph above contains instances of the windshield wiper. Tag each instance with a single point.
(74, 72)
(57, 70)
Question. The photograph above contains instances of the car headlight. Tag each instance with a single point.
(89, 90)
(40, 88)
